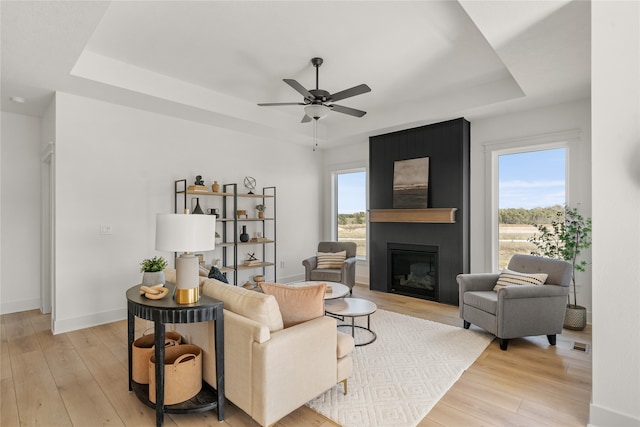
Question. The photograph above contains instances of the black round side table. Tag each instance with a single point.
(164, 311)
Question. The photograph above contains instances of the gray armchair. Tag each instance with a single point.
(345, 275)
(517, 311)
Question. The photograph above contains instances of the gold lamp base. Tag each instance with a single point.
(187, 296)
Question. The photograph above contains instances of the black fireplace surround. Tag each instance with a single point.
(447, 146)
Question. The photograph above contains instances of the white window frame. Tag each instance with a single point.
(568, 140)
(342, 169)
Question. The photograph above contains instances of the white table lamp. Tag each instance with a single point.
(186, 233)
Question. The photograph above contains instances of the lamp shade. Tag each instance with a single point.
(185, 233)
(317, 111)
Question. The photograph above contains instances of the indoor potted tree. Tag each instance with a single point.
(566, 237)
(261, 209)
(153, 270)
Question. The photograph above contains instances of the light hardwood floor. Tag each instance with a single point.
(80, 378)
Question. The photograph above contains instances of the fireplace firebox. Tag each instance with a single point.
(413, 270)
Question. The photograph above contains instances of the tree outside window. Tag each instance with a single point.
(351, 219)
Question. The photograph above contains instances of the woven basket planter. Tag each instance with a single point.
(575, 318)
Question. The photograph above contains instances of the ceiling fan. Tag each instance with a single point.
(318, 103)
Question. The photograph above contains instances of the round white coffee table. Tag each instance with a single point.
(338, 290)
(353, 307)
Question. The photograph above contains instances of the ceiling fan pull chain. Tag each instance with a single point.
(315, 134)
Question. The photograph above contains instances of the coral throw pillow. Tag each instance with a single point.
(331, 259)
(297, 304)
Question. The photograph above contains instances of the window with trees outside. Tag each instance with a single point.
(351, 197)
(531, 191)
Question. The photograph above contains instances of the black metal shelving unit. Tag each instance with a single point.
(230, 239)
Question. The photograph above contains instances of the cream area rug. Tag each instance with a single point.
(398, 378)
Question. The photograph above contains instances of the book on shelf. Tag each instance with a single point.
(198, 188)
(251, 262)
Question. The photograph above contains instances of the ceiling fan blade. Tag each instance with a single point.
(269, 104)
(347, 110)
(299, 88)
(348, 93)
(305, 119)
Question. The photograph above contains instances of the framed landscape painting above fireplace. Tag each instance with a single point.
(411, 183)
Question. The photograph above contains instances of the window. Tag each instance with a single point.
(351, 205)
(531, 190)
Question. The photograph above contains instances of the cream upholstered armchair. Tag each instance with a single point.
(331, 265)
(494, 302)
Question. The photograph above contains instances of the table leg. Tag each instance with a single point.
(130, 333)
(159, 331)
(353, 327)
(219, 340)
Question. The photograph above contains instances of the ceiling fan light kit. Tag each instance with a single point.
(317, 111)
(318, 102)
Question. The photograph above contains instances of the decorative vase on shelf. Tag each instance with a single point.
(215, 187)
(244, 237)
(195, 206)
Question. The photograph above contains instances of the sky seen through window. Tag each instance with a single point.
(526, 180)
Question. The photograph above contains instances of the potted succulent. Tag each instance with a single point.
(153, 270)
(567, 236)
(261, 209)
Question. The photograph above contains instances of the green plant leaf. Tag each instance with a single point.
(570, 233)
(151, 265)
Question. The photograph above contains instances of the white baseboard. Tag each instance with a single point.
(22, 305)
(291, 279)
(603, 417)
(364, 283)
(67, 325)
(362, 272)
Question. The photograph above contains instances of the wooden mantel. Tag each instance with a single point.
(430, 215)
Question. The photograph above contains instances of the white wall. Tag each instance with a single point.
(616, 213)
(47, 218)
(116, 166)
(538, 125)
(20, 271)
(48, 124)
